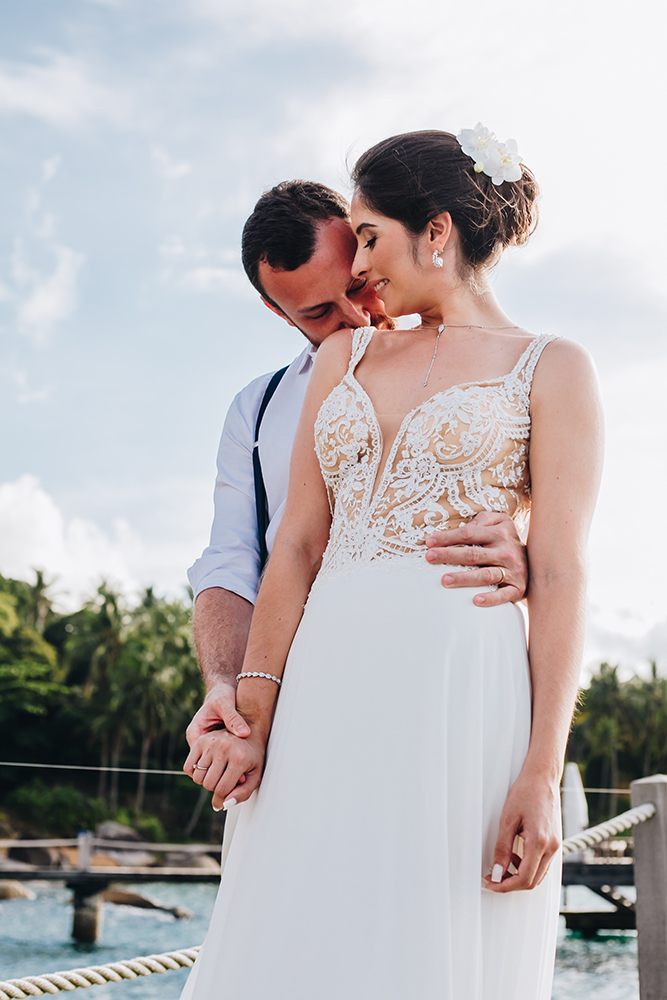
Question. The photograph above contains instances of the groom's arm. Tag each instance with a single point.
(490, 543)
(226, 576)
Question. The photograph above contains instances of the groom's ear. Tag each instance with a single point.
(278, 311)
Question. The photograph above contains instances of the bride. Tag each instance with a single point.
(406, 845)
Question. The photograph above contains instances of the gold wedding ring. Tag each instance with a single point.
(502, 579)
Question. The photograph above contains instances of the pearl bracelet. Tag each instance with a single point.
(259, 673)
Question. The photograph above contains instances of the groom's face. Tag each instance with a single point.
(321, 296)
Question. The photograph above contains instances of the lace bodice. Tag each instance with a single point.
(462, 451)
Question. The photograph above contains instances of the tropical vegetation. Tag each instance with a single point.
(115, 685)
(110, 684)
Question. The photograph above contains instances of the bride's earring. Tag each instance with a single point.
(437, 259)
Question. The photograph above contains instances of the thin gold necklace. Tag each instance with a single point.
(459, 326)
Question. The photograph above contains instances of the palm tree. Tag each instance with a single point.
(94, 649)
(163, 659)
(603, 722)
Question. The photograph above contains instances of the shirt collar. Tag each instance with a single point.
(306, 359)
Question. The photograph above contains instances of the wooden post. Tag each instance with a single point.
(651, 882)
(87, 921)
(84, 849)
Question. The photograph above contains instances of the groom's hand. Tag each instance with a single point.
(491, 544)
(217, 712)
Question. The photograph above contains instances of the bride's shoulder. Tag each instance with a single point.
(333, 358)
(564, 367)
(560, 353)
(336, 350)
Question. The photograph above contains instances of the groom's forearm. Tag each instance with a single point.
(221, 623)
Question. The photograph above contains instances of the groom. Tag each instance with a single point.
(298, 248)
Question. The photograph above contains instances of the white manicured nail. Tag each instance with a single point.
(228, 804)
(497, 873)
(217, 809)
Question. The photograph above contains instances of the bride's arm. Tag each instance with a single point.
(565, 467)
(295, 559)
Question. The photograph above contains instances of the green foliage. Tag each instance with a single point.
(9, 620)
(61, 811)
(620, 732)
(152, 829)
(26, 687)
(110, 683)
(124, 816)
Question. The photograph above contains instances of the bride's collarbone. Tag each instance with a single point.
(394, 380)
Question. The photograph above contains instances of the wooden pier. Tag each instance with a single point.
(647, 870)
(88, 881)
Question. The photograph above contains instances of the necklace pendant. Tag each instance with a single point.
(437, 341)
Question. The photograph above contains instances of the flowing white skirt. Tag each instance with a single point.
(355, 872)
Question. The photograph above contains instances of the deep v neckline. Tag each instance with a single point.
(379, 479)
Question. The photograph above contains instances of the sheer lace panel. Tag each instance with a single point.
(462, 451)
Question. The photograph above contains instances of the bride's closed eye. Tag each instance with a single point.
(370, 243)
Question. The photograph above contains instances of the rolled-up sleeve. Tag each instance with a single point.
(231, 559)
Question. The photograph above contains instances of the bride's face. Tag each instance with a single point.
(391, 260)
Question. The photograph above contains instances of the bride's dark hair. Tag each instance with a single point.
(415, 176)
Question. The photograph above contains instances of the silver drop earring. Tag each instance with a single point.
(437, 259)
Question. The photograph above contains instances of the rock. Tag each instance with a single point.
(116, 831)
(126, 859)
(42, 857)
(7, 864)
(10, 889)
(102, 861)
(69, 858)
(6, 829)
(184, 859)
(132, 859)
(123, 898)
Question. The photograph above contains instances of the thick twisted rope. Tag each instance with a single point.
(96, 975)
(603, 831)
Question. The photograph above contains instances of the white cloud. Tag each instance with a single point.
(26, 394)
(60, 90)
(43, 300)
(216, 279)
(50, 167)
(34, 534)
(41, 296)
(167, 167)
(172, 248)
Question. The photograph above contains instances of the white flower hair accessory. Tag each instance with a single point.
(498, 160)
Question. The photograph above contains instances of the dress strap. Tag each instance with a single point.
(361, 338)
(524, 370)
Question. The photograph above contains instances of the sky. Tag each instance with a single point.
(135, 138)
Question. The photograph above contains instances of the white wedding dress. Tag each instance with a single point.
(355, 872)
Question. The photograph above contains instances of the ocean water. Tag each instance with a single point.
(35, 938)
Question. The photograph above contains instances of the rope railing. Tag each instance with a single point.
(97, 975)
(115, 972)
(603, 831)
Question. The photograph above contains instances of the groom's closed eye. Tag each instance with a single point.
(317, 312)
(355, 286)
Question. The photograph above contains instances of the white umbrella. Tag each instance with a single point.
(575, 806)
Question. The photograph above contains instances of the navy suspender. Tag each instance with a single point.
(261, 502)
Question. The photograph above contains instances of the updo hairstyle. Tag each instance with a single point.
(415, 176)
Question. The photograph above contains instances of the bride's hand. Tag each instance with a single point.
(228, 766)
(532, 812)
